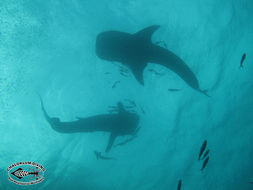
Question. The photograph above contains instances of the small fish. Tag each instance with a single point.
(100, 156)
(242, 60)
(202, 149)
(163, 43)
(179, 184)
(251, 182)
(113, 109)
(129, 107)
(106, 73)
(115, 84)
(142, 110)
(123, 74)
(122, 69)
(205, 163)
(206, 153)
(174, 89)
(132, 102)
(155, 72)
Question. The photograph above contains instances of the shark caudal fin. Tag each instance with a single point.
(43, 109)
(52, 121)
(110, 142)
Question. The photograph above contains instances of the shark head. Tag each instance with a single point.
(128, 121)
(126, 124)
(135, 124)
(107, 45)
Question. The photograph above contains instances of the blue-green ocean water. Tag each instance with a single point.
(48, 47)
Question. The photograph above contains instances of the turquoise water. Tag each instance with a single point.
(48, 47)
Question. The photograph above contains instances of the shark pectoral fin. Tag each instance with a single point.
(110, 142)
(137, 71)
(205, 92)
(147, 33)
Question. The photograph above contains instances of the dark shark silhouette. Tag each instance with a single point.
(120, 124)
(137, 50)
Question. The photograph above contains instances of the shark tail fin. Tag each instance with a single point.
(43, 109)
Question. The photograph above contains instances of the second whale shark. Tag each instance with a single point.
(137, 50)
(119, 124)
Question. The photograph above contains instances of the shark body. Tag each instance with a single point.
(137, 50)
(120, 124)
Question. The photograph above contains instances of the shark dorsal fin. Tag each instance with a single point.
(110, 142)
(147, 33)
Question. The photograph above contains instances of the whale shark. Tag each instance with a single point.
(118, 124)
(136, 50)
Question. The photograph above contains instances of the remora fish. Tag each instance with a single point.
(202, 149)
(179, 184)
(205, 163)
(114, 85)
(242, 60)
(173, 89)
(206, 153)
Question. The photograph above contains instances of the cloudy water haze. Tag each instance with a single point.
(168, 134)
